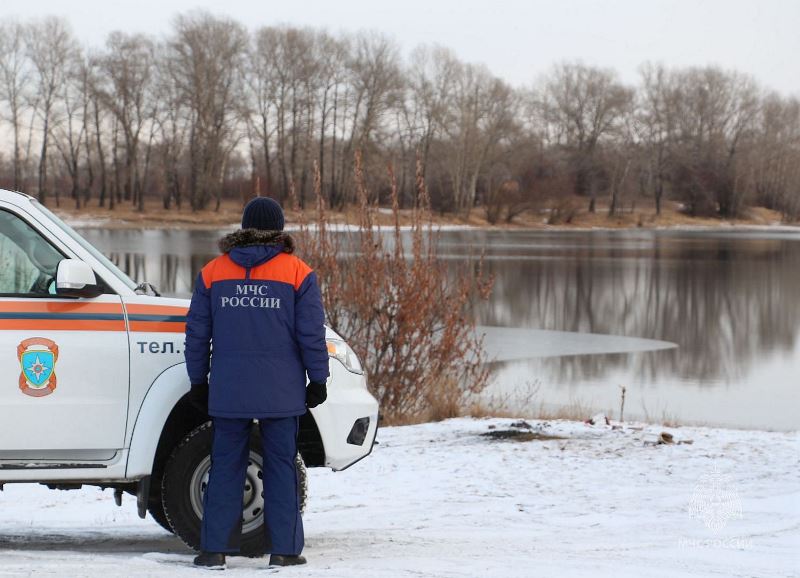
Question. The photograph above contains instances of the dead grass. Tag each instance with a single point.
(643, 215)
(575, 411)
(485, 409)
(520, 402)
(670, 420)
(125, 216)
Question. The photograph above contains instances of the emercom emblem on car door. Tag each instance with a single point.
(37, 357)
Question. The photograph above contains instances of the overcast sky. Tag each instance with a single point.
(517, 39)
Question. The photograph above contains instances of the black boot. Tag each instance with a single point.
(285, 560)
(210, 560)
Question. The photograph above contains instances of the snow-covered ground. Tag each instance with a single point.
(441, 500)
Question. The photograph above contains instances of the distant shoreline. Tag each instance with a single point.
(229, 214)
(122, 224)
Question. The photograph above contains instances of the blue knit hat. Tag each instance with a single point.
(263, 213)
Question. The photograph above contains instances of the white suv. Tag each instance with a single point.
(94, 387)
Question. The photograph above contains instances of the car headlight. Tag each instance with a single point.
(339, 349)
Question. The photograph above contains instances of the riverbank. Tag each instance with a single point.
(490, 497)
(640, 216)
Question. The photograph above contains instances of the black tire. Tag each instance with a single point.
(182, 487)
(155, 506)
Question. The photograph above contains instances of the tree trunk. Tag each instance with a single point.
(43, 163)
(324, 117)
(100, 156)
(17, 152)
(114, 196)
(267, 163)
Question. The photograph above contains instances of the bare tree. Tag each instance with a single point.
(283, 81)
(375, 78)
(583, 105)
(50, 45)
(128, 69)
(481, 114)
(716, 116)
(70, 128)
(656, 124)
(776, 156)
(95, 115)
(262, 86)
(173, 124)
(333, 54)
(14, 75)
(208, 54)
(618, 159)
(431, 77)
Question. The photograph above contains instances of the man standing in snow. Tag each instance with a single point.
(260, 308)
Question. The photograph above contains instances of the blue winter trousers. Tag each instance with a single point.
(222, 516)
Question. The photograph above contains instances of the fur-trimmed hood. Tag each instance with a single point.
(252, 247)
(252, 237)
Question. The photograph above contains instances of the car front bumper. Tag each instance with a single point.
(341, 418)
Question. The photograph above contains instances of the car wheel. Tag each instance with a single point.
(186, 477)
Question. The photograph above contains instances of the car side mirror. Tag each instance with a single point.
(74, 278)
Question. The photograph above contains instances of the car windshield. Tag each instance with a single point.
(86, 245)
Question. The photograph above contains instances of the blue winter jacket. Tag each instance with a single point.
(259, 307)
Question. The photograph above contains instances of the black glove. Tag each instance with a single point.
(316, 393)
(198, 397)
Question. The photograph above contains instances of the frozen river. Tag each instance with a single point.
(700, 327)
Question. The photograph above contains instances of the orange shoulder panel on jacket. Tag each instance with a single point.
(285, 268)
(221, 269)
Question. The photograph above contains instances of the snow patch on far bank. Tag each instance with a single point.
(89, 222)
(354, 228)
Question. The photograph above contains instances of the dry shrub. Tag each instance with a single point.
(447, 400)
(507, 201)
(574, 411)
(405, 315)
(562, 212)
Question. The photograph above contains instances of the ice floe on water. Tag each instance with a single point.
(509, 344)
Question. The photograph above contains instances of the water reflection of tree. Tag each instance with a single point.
(725, 302)
(134, 265)
(172, 274)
